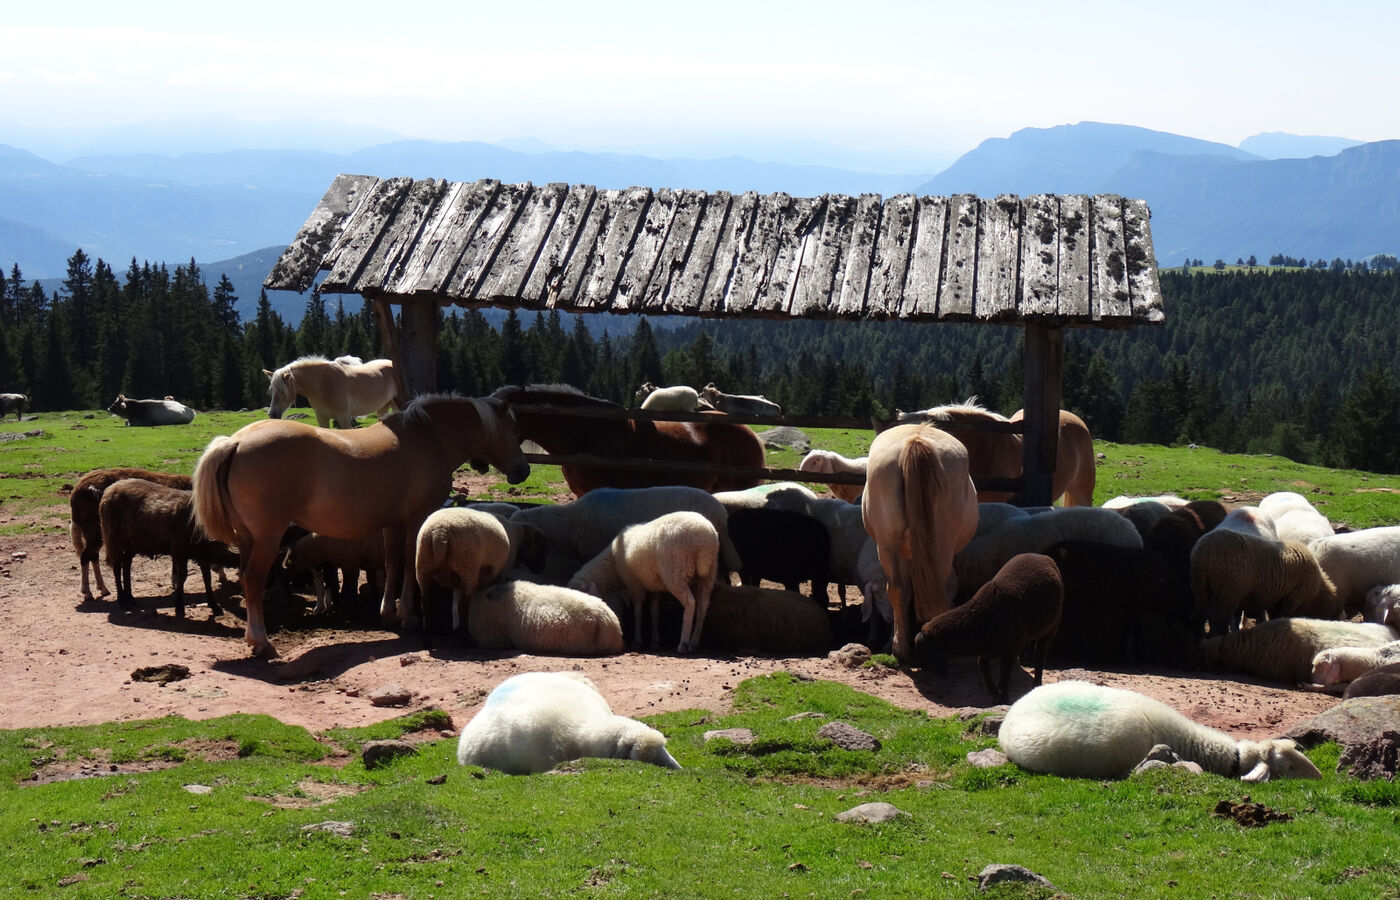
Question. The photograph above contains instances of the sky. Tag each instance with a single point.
(882, 80)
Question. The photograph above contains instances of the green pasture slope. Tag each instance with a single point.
(755, 821)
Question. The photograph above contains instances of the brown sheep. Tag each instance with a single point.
(1019, 607)
(86, 530)
(1233, 572)
(1173, 535)
(140, 516)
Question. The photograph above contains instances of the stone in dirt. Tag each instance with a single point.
(1375, 758)
(1351, 723)
(850, 656)
(785, 437)
(344, 829)
(742, 736)
(989, 758)
(390, 695)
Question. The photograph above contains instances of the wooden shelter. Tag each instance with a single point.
(1044, 262)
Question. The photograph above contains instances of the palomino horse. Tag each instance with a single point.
(920, 508)
(724, 443)
(342, 389)
(346, 484)
(994, 455)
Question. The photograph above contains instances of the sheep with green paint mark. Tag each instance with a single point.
(1082, 730)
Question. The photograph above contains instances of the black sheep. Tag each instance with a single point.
(1174, 534)
(783, 546)
(1019, 608)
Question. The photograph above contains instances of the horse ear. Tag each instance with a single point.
(880, 425)
(267, 373)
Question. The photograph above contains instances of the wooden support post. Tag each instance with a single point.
(1044, 352)
(418, 324)
(389, 338)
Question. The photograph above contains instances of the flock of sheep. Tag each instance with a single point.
(1135, 581)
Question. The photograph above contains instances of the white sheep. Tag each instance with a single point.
(1294, 518)
(1240, 566)
(829, 462)
(583, 528)
(467, 549)
(676, 553)
(788, 495)
(876, 609)
(534, 721)
(543, 618)
(979, 561)
(1284, 649)
(678, 398)
(1382, 604)
(1342, 664)
(1122, 501)
(1081, 730)
(1358, 560)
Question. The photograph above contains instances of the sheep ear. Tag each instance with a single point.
(1259, 773)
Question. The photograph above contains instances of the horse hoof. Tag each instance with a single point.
(263, 650)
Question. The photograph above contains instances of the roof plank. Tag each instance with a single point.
(1065, 259)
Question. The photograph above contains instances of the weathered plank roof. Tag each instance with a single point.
(1056, 259)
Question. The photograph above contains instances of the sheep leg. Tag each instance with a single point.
(457, 606)
(687, 643)
(702, 589)
(349, 584)
(318, 586)
(206, 570)
(984, 666)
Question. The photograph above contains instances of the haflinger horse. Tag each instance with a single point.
(995, 455)
(249, 487)
(339, 390)
(723, 442)
(919, 508)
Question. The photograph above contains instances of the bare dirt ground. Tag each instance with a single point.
(71, 662)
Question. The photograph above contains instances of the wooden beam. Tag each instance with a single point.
(419, 346)
(1044, 351)
(389, 338)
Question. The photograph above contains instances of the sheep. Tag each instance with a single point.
(845, 530)
(324, 556)
(1284, 649)
(1337, 665)
(875, 609)
(1121, 604)
(1294, 518)
(1077, 729)
(533, 721)
(1240, 567)
(1170, 501)
(828, 462)
(983, 557)
(1173, 535)
(755, 405)
(1142, 513)
(1018, 608)
(787, 495)
(86, 527)
(543, 618)
(678, 398)
(760, 620)
(466, 549)
(1375, 683)
(1358, 560)
(782, 546)
(677, 553)
(140, 516)
(583, 528)
(1382, 604)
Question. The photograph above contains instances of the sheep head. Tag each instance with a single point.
(1278, 758)
(643, 744)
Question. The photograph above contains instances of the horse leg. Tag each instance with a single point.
(901, 591)
(255, 567)
(393, 575)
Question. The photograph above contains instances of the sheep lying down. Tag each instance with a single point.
(1082, 730)
(534, 721)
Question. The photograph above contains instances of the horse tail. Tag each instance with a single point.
(922, 470)
(213, 508)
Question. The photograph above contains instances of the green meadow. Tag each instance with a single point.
(246, 807)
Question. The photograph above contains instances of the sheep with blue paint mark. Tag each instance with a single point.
(534, 721)
(1081, 730)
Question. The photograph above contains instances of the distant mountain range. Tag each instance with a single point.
(232, 211)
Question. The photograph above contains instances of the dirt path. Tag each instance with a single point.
(70, 662)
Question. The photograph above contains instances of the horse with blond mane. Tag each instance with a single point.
(249, 487)
(920, 508)
(339, 390)
(996, 455)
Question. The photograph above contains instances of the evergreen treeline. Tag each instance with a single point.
(1297, 362)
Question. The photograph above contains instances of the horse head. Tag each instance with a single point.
(645, 390)
(504, 437)
(282, 391)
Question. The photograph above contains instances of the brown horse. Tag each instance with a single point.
(995, 455)
(724, 443)
(920, 508)
(346, 484)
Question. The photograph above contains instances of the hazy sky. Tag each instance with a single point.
(891, 76)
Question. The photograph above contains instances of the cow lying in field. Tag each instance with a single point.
(151, 412)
